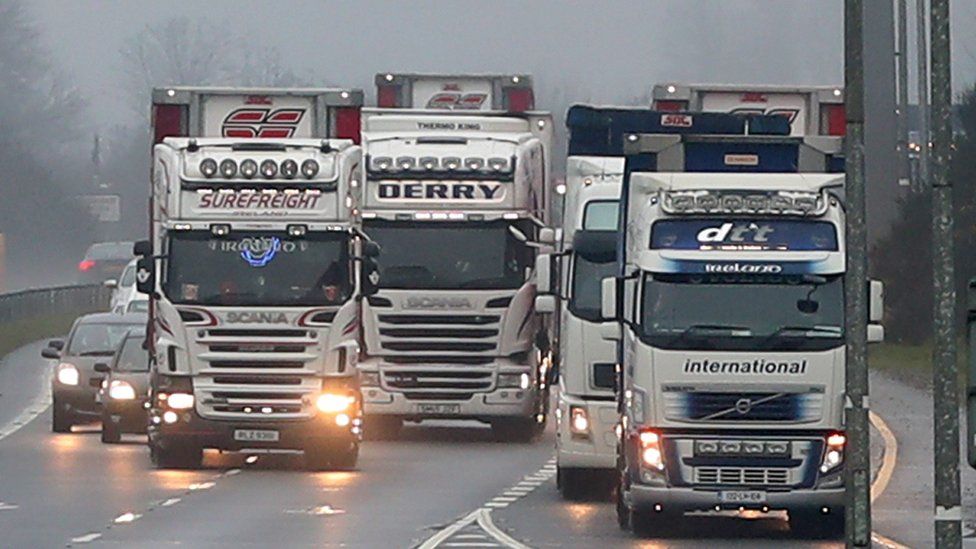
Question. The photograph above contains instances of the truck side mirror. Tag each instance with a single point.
(547, 235)
(608, 298)
(56, 344)
(51, 353)
(876, 303)
(545, 304)
(876, 333)
(369, 277)
(142, 248)
(543, 274)
(111, 284)
(371, 249)
(596, 246)
(146, 275)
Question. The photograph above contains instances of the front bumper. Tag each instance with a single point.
(190, 429)
(597, 449)
(77, 400)
(131, 416)
(644, 498)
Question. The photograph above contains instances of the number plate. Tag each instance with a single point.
(742, 496)
(439, 409)
(255, 435)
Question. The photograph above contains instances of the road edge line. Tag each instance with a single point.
(484, 520)
(450, 530)
(888, 462)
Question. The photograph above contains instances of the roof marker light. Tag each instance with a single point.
(208, 167)
(671, 88)
(171, 92)
(269, 169)
(249, 168)
(310, 168)
(389, 77)
(228, 168)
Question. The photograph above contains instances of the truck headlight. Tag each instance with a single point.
(514, 381)
(650, 450)
(579, 422)
(834, 454)
(180, 401)
(331, 403)
(67, 374)
(121, 390)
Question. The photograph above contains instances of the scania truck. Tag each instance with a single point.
(458, 202)
(729, 296)
(254, 267)
(586, 414)
(811, 110)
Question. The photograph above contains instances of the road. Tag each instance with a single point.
(448, 485)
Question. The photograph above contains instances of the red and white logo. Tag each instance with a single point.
(248, 122)
(789, 114)
(457, 100)
(677, 120)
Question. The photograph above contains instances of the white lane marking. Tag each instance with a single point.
(87, 538)
(36, 407)
(201, 485)
(484, 520)
(888, 463)
(170, 501)
(505, 499)
(126, 517)
(471, 536)
(8, 506)
(450, 530)
(496, 505)
(231, 472)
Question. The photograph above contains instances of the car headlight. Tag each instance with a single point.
(121, 390)
(369, 379)
(834, 454)
(331, 403)
(67, 374)
(514, 381)
(180, 401)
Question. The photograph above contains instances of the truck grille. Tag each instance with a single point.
(742, 476)
(444, 338)
(438, 384)
(743, 407)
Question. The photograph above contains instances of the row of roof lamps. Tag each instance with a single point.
(448, 164)
(249, 168)
(782, 203)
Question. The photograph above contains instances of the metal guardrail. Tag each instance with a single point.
(77, 300)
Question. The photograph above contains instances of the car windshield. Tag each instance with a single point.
(132, 357)
(741, 312)
(448, 255)
(95, 339)
(258, 268)
(585, 300)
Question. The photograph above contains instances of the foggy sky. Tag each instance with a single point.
(604, 51)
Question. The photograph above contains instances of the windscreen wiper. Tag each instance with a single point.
(803, 331)
(712, 329)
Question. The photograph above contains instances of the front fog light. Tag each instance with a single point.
(170, 416)
(579, 423)
(514, 381)
(180, 401)
(342, 420)
(120, 390)
(331, 403)
(68, 374)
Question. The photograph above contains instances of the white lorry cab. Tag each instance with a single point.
(730, 297)
(254, 272)
(458, 203)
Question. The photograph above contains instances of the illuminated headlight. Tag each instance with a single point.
(451, 163)
(834, 454)
(289, 169)
(382, 163)
(330, 403)
(474, 163)
(269, 169)
(228, 168)
(369, 379)
(708, 202)
(561, 188)
(498, 164)
(579, 422)
(651, 455)
(406, 162)
(208, 167)
(67, 374)
(310, 168)
(180, 401)
(429, 163)
(249, 168)
(514, 381)
(120, 390)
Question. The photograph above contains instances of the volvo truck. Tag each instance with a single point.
(730, 305)
(255, 267)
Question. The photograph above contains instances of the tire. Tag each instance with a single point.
(326, 459)
(623, 513)
(175, 458)
(60, 418)
(382, 427)
(816, 525)
(111, 433)
(521, 430)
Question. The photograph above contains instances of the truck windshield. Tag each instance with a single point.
(742, 312)
(257, 268)
(449, 255)
(587, 280)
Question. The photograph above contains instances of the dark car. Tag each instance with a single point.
(104, 261)
(125, 390)
(75, 384)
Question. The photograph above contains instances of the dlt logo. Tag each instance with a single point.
(248, 122)
(730, 232)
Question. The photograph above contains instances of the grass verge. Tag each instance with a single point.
(21, 332)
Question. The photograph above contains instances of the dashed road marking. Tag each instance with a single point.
(8, 506)
(170, 501)
(87, 538)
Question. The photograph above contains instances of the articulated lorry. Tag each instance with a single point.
(569, 280)
(730, 302)
(811, 110)
(255, 267)
(458, 201)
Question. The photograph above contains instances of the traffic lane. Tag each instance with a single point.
(543, 519)
(24, 376)
(402, 492)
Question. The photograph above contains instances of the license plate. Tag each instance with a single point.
(255, 435)
(742, 496)
(435, 409)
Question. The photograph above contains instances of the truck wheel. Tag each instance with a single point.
(175, 458)
(382, 427)
(110, 431)
(60, 419)
(623, 513)
(324, 459)
(816, 525)
(522, 430)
